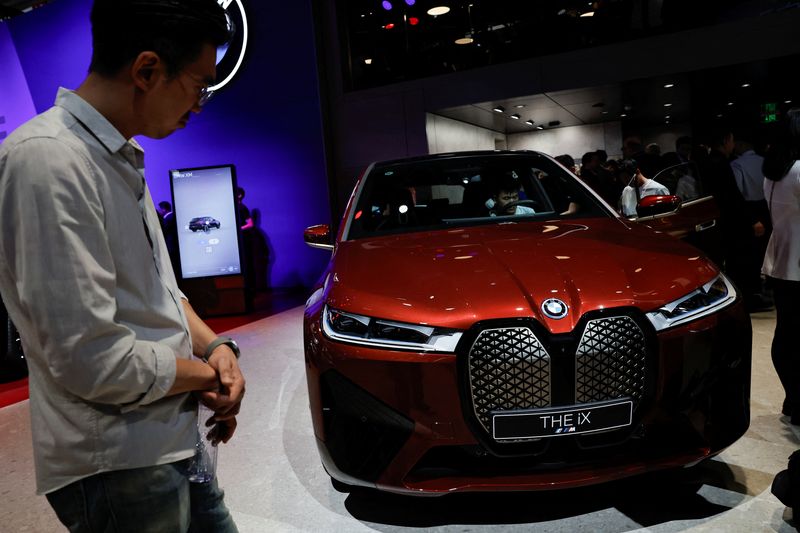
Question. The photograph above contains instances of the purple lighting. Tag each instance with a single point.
(387, 5)
(411, 2)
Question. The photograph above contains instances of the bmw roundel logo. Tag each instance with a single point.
(554, 308)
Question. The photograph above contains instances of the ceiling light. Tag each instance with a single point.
(730, 103)
(669, 85)
(519, 106)
(387, 5)
(439, 10)
(498, 109)
(667, 105)
(623, 115)
(604, 112)
(719, 116)
(787, 101)
(745, 85)
(389, 26)
(539, 127)
(464, 40)
(529, 122)
(411, 2)
(413, 21)
(515, 116)
(587, 14)
(668, 117)
(368, 61)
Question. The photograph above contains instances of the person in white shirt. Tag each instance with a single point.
(638, 186)
(782, 260)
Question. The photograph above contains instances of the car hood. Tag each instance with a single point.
(454, 278)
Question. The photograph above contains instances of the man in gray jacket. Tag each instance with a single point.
(108, 336)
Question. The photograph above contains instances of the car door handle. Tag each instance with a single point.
(705, 225)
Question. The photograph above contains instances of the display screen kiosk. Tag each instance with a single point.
(209, 239)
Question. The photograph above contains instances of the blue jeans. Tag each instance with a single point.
(157, 499)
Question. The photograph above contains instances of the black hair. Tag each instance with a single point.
(786, 150)
(588, 156)
(718, 135)
(163, 204)
(629, 166)
(683, 140)
(176, 30)
(566, 160)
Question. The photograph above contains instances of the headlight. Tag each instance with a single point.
(709, 298)
(369, 331)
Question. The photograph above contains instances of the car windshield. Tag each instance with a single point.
(417, 195)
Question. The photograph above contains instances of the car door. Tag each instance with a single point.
(695, 221)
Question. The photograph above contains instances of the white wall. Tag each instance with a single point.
(572, 140)
(448, 135)
(666, 136)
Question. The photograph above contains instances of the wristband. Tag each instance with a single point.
(218, 342)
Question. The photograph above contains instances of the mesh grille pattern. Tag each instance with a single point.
(508, 369)
(610, 361)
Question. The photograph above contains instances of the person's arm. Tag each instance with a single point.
(226, 400)
(64, 274)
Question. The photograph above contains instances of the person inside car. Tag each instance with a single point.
(506, 200)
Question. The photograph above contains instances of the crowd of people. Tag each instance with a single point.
(758, 244)
(724, 167)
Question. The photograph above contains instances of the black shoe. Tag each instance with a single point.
(780, 488)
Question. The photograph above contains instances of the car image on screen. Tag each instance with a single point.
(203, 224)
(486, 322)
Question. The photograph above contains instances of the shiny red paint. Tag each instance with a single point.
(424, 387)
(458, 277)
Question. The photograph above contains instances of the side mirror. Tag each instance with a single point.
(318, 236)
(655, 205)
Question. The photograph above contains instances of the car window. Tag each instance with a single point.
(469, 190)
(682, 180)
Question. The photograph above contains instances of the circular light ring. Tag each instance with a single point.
(235, 69)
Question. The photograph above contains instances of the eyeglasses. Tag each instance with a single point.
(204, 94)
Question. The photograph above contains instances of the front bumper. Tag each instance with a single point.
(402, 421)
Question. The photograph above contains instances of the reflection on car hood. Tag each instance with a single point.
(457, 277)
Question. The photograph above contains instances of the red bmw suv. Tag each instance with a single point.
(486, 322)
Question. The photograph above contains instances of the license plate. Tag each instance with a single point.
(560, 421)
